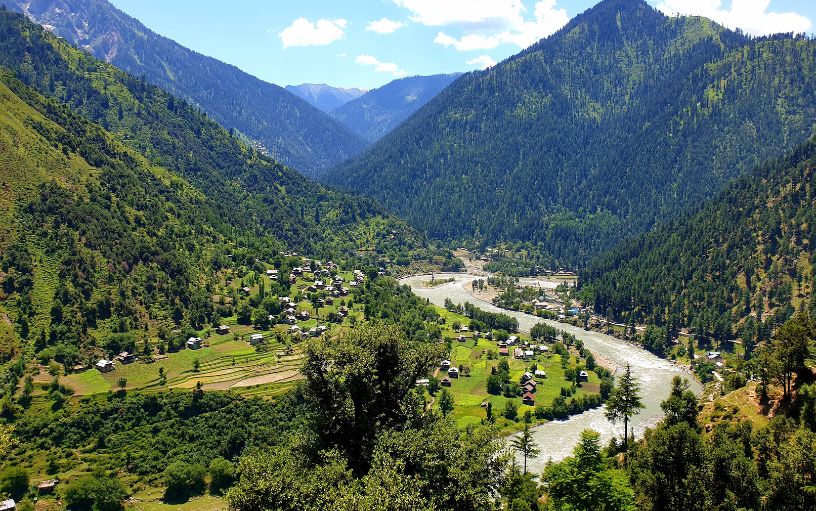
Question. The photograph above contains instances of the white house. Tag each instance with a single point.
(104, 366)
(256, 339)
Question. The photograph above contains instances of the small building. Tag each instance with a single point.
(512, 340)
(313, 332)
(518, 353)
(291, 319)
(303, 315)
(489, 336)
(125, 357)
(294, 329)
(194, 343)
(445, 365)
(284, 299)
(527, 376)
(445, 382)
(583, 376)
(423, 382)
(464, 328)
(713, 355)
(504, 352)
(453, 372)
(105, 366)
(256, 339)
(461, 338)
(543, 348)
(528, 399)
(528, 354)
(246, 290)
(222, 330)
(322, 329)
(540, 374)
(528, 388)
(8, 505)
(47, 487)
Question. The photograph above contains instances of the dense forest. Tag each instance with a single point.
(280, 123)
(616, 122)
(738, 266)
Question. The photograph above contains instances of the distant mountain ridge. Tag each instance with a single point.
(615, 123)
(325, 97)
(280, 123)
(380, 110)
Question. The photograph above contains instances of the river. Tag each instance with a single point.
(556, 439)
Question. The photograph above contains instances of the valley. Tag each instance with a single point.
(577, 276)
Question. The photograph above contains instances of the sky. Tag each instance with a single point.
(368, 43)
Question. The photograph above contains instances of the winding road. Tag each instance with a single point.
(556, 439)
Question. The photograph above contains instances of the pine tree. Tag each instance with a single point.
(526, 445)
(624, 402)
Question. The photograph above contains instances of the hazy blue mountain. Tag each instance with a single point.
(379, 111)
(620, 120)
(281, 124)
(325, 97)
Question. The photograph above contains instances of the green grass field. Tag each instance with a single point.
(470, 394)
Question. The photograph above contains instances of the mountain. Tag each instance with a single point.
(122, 204)
(616, 122)
(741, 258)
(325, 97)
(381, 110)
(282, 125)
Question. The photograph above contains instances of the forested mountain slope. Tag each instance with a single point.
(746, 255)
(289, 128)
(619, 120)
(132, 222)
(325, 97)
(381, 110)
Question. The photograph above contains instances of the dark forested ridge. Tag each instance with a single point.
(287, 127)
(745, 256)
(614, 123)
(325, 97)
(381, 110)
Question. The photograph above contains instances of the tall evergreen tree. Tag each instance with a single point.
(624, 402)
(525, 445)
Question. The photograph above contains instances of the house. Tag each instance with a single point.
(713, 355)
(125, 357)
(105, 366)
(312, 288)
(528, 354)
(489, 336)
(194, 343)
(329, 300)
(542, 348)
(583, 376)
(322, 328)
(47, 487)
(453, 372)
(528, 399)
(528, 388)
(445, 382)
(303, 315)
(246, 290)
(464, 329)
(518, 353)
(540, 374)
(8, 505)
(526, 377)
(503, 352)
(461, 338)
(319, 284)
(423, 382)
(284, 299)
(291, 319)
(256, 339)
(445, 365)
(343, 310)
(512, 340)
(313, 332)
(294, 329)
(222, 330)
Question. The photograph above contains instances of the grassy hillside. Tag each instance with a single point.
(616, 122)
(741, 259)
(284, 125)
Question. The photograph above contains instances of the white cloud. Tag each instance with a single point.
(384, 26)
(487, 24)
(380, 67)
(752, 16)
(483, 61)
(303, 32)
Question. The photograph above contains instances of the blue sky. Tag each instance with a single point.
(367, 43)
